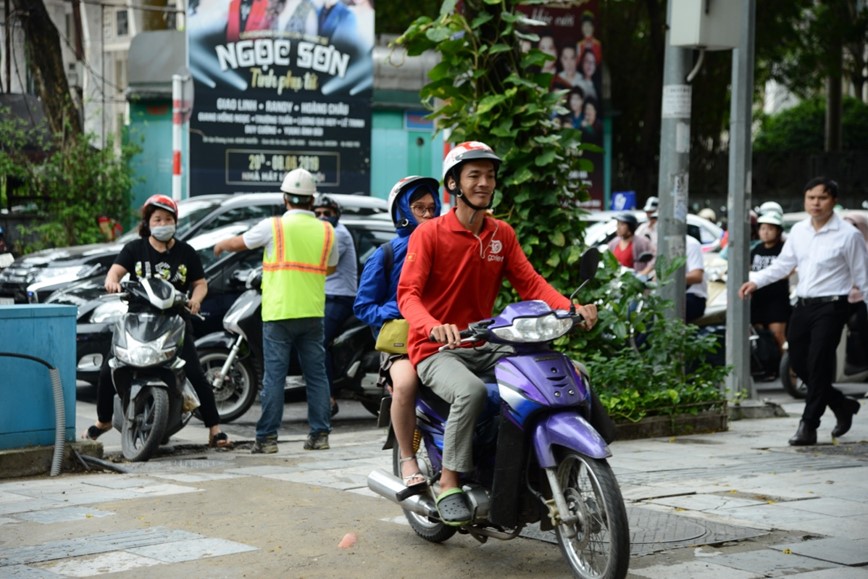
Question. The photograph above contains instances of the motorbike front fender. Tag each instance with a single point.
(216, 340)
(569, 430)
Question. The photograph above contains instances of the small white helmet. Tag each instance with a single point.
(708, 213)
(772, 217)
(299, 182)
(770, 206)
(651, 205)
(468, 151)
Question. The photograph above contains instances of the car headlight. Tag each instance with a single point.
(71, 272)
(142, 354)
(536, 329)
(108, 312)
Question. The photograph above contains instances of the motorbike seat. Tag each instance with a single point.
(441, 408)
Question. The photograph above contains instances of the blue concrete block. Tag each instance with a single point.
(26, 400)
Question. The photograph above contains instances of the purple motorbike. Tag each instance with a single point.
(539, 458)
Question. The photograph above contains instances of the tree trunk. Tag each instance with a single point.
(46, 63)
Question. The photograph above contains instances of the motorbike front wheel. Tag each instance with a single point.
(597, 545)
(237, 393)
(794, 385)
(141, 436)
(430, 530)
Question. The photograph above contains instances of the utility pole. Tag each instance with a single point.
(739, 202)
(672, 185)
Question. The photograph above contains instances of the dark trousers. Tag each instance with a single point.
(694, 307)
(338, 310)
(813, 335)
(105, 391)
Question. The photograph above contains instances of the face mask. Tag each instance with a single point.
(333, 220)
(163, 232)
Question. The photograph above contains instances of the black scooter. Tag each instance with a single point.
(232, 359)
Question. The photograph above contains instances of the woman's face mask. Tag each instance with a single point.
(163, 232)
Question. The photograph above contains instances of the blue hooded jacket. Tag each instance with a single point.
(377, 298)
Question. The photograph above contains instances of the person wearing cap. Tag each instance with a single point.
(770, 306)
(452, 274)
(628, 248)
(831, 258)
(341, 286)
(648, 229)
(300, 251)
(157, 253)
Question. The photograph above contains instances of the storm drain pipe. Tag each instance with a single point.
(59, 409)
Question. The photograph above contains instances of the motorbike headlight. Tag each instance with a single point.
(536, 329)
(143, 354)
(108, 312)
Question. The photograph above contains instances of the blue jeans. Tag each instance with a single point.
(278, 339)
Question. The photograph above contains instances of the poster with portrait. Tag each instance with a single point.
(568, 33)
(280, 84)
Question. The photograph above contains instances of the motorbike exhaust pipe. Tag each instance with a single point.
(390, 487)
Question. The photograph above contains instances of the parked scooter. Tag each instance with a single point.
(539, 456)
(851, 358)
(232, 359)
(154, 399)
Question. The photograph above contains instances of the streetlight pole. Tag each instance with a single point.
(672, 184)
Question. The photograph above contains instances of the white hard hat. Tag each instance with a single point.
(299, 182)
(772, 217)
(770, 206)
(708, 213)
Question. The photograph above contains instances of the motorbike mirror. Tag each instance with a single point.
(588, 264)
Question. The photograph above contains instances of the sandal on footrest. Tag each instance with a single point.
(453, 509)
(219, 440)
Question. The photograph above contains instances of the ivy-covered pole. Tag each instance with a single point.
(486, 88)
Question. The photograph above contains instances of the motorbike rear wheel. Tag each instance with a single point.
(433, 531)
(794, 385)
(238, 392)
(599, 543)
(141, 436)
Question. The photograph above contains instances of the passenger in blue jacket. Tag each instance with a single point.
(413, 200)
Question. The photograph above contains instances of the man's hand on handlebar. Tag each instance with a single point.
(448, 334)
(589, 313)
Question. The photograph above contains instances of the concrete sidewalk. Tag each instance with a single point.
(738, 504)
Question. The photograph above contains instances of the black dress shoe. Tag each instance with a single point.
(804, 436)
(845, 417)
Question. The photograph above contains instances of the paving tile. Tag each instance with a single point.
(8, 497)
(197, 477)
(846, 527)
(771, 563)
(191, 550)
(158, 490)
(692, 570)
(833, 507)
(101, 564)
(261, 470)
(832, 549)
(25, 572)
(836, 573)
(62, 515)
(701, 502)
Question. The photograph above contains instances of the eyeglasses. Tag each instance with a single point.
(423, 210)
(322, 213)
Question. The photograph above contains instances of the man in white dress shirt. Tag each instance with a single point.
(831, 258)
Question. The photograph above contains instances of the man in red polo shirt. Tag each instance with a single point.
(453, 271)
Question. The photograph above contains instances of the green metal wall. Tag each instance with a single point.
(151, 128)
(399, 149)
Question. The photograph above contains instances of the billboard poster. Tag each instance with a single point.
(280, 84)
(568, 34)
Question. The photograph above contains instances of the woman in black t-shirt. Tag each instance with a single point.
(770, 306)
(158, 254)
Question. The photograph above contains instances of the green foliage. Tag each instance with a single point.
(72, 186)
(485, 88)
(641, 363)
(801, 128)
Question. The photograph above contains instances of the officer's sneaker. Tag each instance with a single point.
(267, 445)
(319, 441)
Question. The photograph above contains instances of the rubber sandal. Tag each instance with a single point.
(94, 432)
(220, 440)
(452, 508)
